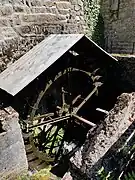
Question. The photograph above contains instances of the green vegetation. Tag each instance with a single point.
(123, 170)
(98, 34)
(104, 175)
(108, 176)
(43, 174)
(94, 21)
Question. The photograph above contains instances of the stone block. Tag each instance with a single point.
(77, 19)
(21, 9)
(4, 22)
(77, 7)
(67, 176)
(6, 10)
(74, 2)
(28, 17)
(36, 2)
(48, 3)
(14, 2)
(80, 2)
(8, 32)
(73, 28)
(63, 5)
(38, 9)
(26, 29)
(16, 19)
(64, 11)
(52, 10)
(42, 18)
(13, 160)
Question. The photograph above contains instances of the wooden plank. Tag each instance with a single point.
(105, 52)
(37, 60)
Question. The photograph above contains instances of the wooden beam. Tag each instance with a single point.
(51, 121)
(42, 116)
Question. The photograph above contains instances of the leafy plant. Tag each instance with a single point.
(104, 175)
(43, 174)
(130, 176)
(92, 9)
(108, 176)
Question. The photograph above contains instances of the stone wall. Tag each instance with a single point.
(24, 23)
(119, 25)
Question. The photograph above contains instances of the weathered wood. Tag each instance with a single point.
(84, 120)
(85, 100)
(51, 121)
(42, 116)
(36, 61)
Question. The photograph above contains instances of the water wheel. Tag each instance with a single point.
(57, 114)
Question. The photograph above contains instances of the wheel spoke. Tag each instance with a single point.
(58, 107)
(51, 121)
(85, 100)
(76, 99)
(83, 120)
(42, 116)
(63, 96)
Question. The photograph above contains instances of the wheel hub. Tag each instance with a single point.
(65, 110)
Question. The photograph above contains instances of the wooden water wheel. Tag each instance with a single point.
(57, 114)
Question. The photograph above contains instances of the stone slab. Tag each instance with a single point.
(103, 145)
(13, 160)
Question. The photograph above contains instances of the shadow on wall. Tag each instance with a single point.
(94, 21)
(126, 73)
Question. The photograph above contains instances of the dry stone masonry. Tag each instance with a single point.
(24, 23)
(119, 25)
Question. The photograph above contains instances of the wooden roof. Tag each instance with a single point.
(37, 60)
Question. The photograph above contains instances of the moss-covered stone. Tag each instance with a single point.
(43, 174)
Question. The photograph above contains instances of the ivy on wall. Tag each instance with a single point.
(94, 21)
